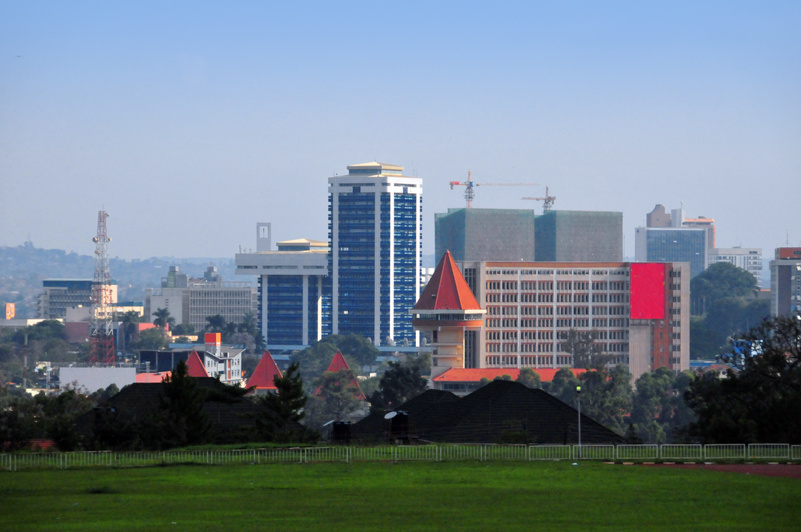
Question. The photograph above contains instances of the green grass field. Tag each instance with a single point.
(404, 496)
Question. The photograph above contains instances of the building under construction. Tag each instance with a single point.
(519, 235)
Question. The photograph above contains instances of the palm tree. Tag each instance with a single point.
(129, 321)
(163, 318)
(215, 323)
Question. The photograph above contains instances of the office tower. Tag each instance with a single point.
(290, 282)
(375, 235)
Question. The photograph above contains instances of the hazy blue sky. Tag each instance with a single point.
(191, 121)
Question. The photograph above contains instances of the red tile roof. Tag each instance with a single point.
(476, 374)
(447, 289)
(195, 366)
(265, 373)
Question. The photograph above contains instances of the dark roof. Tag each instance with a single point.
(492, 411)
(232, 418)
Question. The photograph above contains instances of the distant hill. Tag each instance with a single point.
(23, 268)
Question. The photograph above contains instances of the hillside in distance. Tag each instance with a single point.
(22, 269)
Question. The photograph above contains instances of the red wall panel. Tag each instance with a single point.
(647, 291)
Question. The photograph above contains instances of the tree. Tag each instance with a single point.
(563, 386)
(337, 396)
(586, 353)
(182, 401)
(129, 326)
(399, 383)
(163, 319)
(762, 401)
(659, 413)
(215, 323)
(282, 411)
(606, 396)
(154, 339)
(721, 280)
(529, 378)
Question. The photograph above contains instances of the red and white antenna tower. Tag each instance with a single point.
(101, 350)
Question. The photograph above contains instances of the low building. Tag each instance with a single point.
(219, 361)
(749, 259)
(500, 412)
(58, 295)
(462, 381)
(201, 298)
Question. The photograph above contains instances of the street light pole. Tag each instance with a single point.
(578, 396)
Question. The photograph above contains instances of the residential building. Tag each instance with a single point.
(375, 237)
(639, 312)
(291, 310)
(223, 362)
(785, 282)
(201, 298)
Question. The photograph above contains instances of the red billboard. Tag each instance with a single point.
(647, 291)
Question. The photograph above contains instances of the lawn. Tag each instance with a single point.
(404, 496)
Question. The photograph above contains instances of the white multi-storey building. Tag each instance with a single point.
(375, 236)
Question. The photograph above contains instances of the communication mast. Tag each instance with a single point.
(547, 200)
(101, 349)
(470, 194)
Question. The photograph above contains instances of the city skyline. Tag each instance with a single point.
(190, 123)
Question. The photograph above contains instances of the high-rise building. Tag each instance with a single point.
(375, 234)
(485, 234)
(584, 236)
(785, 282)
(671, 238)
(517, 234)
(290, 284)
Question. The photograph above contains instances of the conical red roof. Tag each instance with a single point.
(265, 373)
(195, 366)
(338, 363)
(447, 289)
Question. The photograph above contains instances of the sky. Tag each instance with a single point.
(191, 121)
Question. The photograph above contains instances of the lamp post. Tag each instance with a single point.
(578, 397)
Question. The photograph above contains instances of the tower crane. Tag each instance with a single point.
(470, 193)
(547, 201)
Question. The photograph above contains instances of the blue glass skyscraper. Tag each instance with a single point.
(375, 235)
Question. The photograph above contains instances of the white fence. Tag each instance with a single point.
(401, 453)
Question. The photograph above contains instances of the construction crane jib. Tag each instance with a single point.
(547, 200)
(470, 193)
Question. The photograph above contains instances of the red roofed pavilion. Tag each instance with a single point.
(446, 313)
(263, 378)
(195, 366)
(338, 363)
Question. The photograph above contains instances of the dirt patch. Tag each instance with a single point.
(768, 470)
